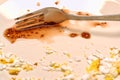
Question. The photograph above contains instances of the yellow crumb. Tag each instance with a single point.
(19, 78)
(27, 67)
(109, 77)
(118, 70)
(68, 55)
(14, 71)
(3, 61)
(117, 65)
(55, 65)
(1, 52)
(112, 55)
(66, 72)
(94, 66)
(11, 60)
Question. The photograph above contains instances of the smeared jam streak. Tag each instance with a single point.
(43, 32)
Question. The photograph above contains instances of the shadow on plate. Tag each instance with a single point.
(111, 7)
(107, 34)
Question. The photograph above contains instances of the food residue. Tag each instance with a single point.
(99, 67)
(38, 3)
(14, 71)
(28, 10)
(83, 13)
(103, 68)
(57, 2)
(102, 24)
(47, 31)
(85, 35)
(36, 64)
(44, 33)
(13, 64)
(73, 35)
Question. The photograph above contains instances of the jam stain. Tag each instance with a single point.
(72, 35)
(102, 24)
(82, 13)
(44, 33)
(85, 35)
(57, 2)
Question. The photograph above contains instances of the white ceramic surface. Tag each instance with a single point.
(32, 50)
(2, 1)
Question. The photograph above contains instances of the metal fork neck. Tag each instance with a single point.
(104, 18)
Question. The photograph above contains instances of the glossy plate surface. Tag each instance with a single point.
(32, 50)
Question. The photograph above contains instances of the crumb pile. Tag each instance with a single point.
(99, 67)
(103, 68)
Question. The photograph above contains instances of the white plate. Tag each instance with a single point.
(33, 50)
(2, 1)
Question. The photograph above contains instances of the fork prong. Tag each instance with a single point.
(38, 16)
(24, 16)
(29, 14)
(33, 20)
(28, 25)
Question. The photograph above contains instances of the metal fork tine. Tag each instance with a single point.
(30, 21)
(29, 14)
(26, 26)
(40, 16)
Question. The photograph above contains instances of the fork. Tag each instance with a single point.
(52, 15)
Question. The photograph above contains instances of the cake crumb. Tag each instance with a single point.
(36, 64)
(14, 71)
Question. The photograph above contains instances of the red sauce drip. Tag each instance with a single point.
(102, 24)
(82, 13)
(44, 33)
(57, 2)
(73, 35)
(86, 35)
